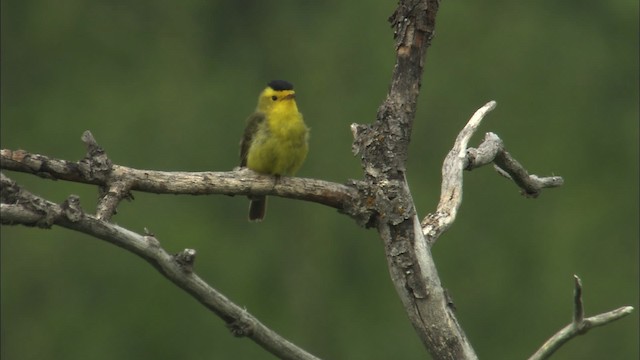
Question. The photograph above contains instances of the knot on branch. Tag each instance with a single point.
(186, 259)
(29, 209)
(71, 208)
(242, 326)
(485, 153)
(96, 165)
(151, 239)
(10, 191)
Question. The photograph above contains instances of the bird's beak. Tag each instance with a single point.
(290, 96)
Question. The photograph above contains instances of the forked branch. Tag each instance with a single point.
(579, 325)
(381, 200)
(22, 207)
(461, 158)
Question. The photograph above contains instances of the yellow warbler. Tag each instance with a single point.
(275, 140)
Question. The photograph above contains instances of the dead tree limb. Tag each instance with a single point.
(381, 200)
(462, 158)
(579, 325)
(22, 207)
(117, 182)
(384, 192)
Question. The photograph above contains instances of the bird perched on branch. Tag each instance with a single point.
(275, 140)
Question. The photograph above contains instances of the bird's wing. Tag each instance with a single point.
(252, 127)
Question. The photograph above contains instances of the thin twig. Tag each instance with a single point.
(492, 150)
(578, 308)
(579, 325)
(531, 185)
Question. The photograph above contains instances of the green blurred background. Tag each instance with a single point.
(167, 85)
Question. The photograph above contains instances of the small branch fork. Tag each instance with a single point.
(22, 207)
(97, 165)
(579, 325)
(460, 158)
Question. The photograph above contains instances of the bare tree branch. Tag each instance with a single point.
(462, 158)
(382, 199)
(433, 225)
(580, 325)
(384, 192)
(120, 180)
(22, 207)
(492, 150)
(578, 307)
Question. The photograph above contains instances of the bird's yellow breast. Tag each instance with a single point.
(280, 144)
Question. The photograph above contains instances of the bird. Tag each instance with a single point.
(275, 139)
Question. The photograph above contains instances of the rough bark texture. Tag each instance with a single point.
(383, 148)
(120, 180)
(381, 200)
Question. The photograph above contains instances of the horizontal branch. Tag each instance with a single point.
(579, 325)
(21, 207)
(120, 180)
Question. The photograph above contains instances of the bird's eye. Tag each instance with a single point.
(274, 98)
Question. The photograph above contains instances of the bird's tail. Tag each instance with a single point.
(257, 208)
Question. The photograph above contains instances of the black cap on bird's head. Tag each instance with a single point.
(279, 85)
